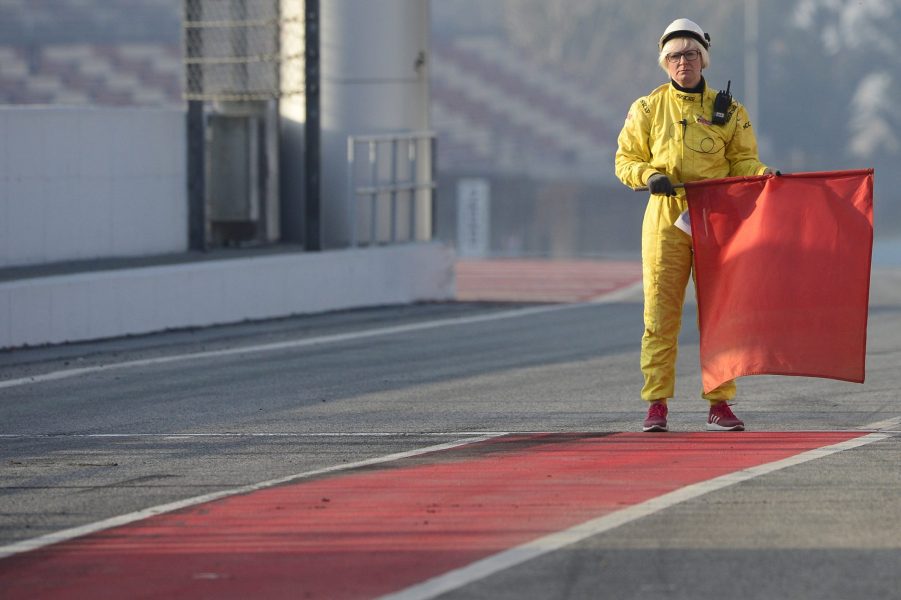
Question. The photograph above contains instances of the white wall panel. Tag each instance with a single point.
(29, 318)
(95, 235)
(83, 182)
(4, 147)
(98, 161)
(26, 221)
(5, 316)
(67, 315)
(61, 143)
(4, 212)
(24, 140)
(63, 203)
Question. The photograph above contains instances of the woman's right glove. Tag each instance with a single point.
(658, 183)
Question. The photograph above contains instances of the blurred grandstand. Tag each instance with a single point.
(90, 52)
(498, 114)
(542, 140)
(494, 109)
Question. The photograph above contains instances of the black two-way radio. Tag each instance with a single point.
(721, 105)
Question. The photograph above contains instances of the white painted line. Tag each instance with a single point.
(291, 344)
(885, 425)
(68, 534)
(882, 426)
(461, 577)
(32, 436)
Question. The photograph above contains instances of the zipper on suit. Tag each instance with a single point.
(684, 124)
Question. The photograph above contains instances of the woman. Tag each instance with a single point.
(673, 136)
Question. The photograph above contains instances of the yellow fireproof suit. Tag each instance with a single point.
(669, 131)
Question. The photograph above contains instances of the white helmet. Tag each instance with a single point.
(685, 28)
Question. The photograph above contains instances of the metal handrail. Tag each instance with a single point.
(400, 187)
(387, 137)
(373, 188)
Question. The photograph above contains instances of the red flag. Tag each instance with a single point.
(782, 270)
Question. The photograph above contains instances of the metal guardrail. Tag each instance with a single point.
(388, 180)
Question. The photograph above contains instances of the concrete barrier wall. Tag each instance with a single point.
(81, 182)
(104, 304)
(87, 183)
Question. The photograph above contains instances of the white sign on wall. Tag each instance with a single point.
(473, 217)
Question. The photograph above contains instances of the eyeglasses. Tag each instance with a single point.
(688, 55)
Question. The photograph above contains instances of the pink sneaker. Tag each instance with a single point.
(656, 420)
(721, 418)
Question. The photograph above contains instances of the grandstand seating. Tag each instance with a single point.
(125, 74)
(496, 109)
(493, 107)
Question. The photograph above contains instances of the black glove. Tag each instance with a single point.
(660, 184)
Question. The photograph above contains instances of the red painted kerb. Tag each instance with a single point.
(367, 532)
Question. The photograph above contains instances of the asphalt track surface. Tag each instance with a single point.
(467, 450)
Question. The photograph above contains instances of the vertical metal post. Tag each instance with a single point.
(196, 129)
(412, 149)
(433, 190)
(393, 190)
(197, 212)
(351, 192)
(374, 195)
(312, 128)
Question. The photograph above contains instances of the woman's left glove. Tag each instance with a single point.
(658, 183)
